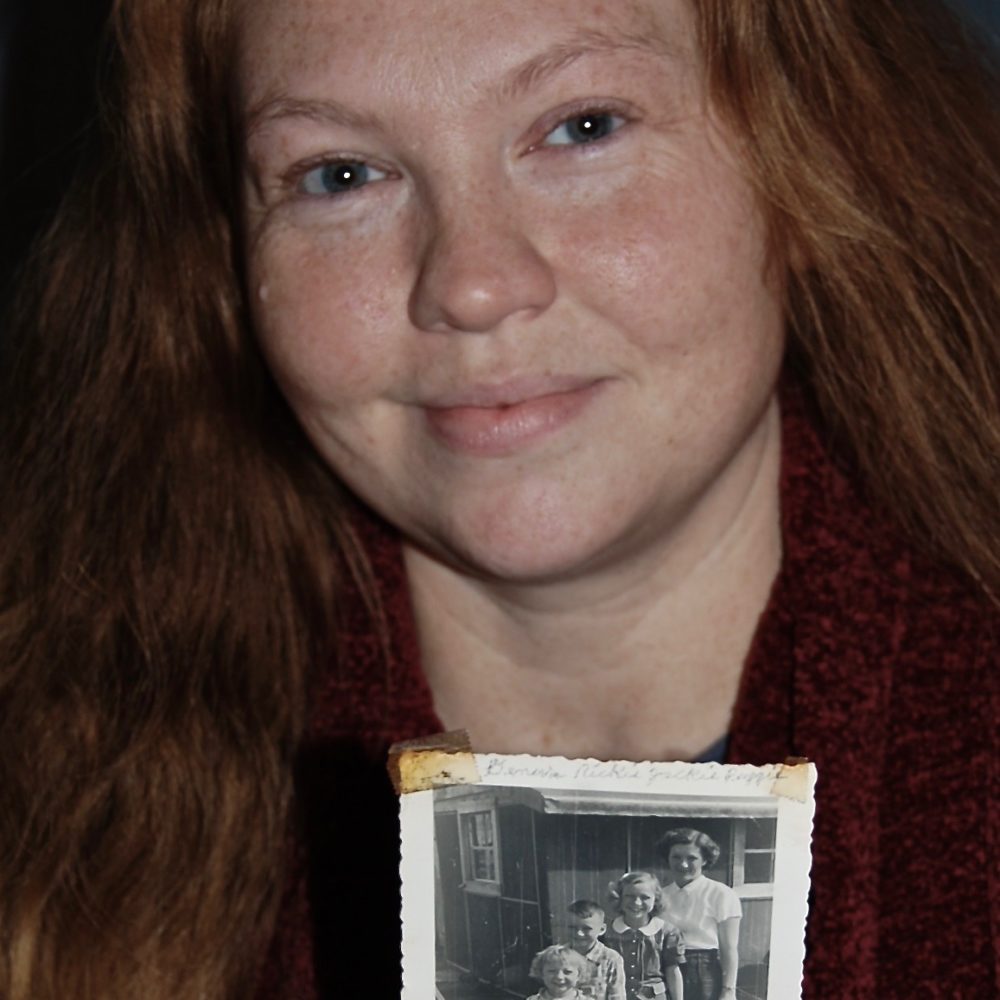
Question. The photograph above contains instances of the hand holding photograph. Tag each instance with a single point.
(553, 879)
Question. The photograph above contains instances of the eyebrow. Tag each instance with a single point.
(585, 43)
(328, 111)
(513, 84)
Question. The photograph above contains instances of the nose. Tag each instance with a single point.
(478, 268)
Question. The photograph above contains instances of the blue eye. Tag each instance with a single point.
(339, 177)
(581, 129)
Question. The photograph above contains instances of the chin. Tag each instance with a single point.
(535, 551)
(540, 533)
(525, 565)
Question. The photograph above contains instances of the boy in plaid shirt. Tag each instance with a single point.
(605, 979)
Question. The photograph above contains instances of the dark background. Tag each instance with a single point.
(48, 67)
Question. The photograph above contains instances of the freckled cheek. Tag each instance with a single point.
(683, 277)
(323, 323)
(639, 259)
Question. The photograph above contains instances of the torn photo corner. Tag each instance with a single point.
(496, 849)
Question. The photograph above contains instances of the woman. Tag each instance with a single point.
(408, 365)
(707, 913)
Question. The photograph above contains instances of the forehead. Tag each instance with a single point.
(561, 962)
(592, 921)
(635, 888)
(683, 850)
(448, 46)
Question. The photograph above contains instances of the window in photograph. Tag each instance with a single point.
(480, 847)
(753, 856)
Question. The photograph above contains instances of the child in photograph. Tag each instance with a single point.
(560, 969)
(605, 976)
(652, 949)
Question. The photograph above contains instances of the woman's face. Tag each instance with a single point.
(507, 271)
(685, 862)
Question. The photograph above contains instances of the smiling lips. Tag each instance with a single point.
(498, 420)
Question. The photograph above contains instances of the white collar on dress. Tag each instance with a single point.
(654, 925)
(693, 886)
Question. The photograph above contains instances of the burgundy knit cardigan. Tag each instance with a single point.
(868, 661)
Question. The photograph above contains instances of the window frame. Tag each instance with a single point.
(470, 881)
(744, 889)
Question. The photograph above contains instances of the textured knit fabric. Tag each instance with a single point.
(878, 667)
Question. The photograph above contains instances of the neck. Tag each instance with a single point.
(577, 666)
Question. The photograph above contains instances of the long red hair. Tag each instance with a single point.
(171, 548)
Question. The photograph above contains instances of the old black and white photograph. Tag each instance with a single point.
(607, 881)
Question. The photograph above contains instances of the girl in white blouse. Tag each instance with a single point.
(706, 912)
